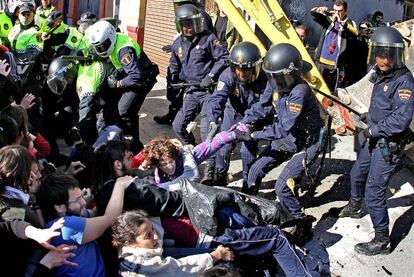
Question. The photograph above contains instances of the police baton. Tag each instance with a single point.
(337, 101)
(186, 85)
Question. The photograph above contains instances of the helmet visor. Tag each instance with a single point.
(392, 56)
(245, 74)
(102, 49)
(281, 82)
(190, 26)
(57, 83)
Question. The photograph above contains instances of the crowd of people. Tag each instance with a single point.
(118, 207)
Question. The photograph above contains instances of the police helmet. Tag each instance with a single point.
(283, 66)
(245, 62)
(189, 17)
(54, 19)
(388, 43)
(102, 36)
(61, 72)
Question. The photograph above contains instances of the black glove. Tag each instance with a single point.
(112, 81)
(363, 136)
(363, 117)
(167, 48)
(212, 130)
(207, 81)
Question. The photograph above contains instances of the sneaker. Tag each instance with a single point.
(353, 209)
(164, 120)
(380, 244)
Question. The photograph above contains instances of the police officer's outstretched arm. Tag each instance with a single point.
(218, 99)
(132, 68)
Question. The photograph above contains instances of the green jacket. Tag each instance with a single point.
(232, 35)
(6, 24)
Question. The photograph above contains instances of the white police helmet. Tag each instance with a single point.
(102, 36)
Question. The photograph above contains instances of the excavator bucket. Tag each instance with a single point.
(271, 19)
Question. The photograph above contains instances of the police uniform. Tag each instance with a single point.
(234, 99)
(294, 136)
(389, 117)
(6, 24)
(27, 49)
(90, 86)
(140, 76)
(197, 58)
(69, 42)
(41, 15)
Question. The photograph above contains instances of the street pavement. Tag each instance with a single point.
(338, 235)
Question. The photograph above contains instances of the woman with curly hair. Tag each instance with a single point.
(171, 159)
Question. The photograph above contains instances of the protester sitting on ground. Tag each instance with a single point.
(139, 240)
(60, 196)
(11, 231)
(172, 160)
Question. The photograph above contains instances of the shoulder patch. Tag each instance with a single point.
(220, 85)
(126, 59)
(404, 94)
(74, 39)
(217, 42)
(6, 26)
(295, 108)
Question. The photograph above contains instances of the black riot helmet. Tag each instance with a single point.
(245, 62)
(283, 66)
(387, 42)
(61, 72)
(189, 20)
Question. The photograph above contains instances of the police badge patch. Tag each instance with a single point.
(404, 94)
(74, 39)
(126, 59)
(275, 98)
(236, 92)
(295, 108)
(217, 42)
(220, 85)
(6, 26)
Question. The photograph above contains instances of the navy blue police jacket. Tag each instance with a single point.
(196, 58)
(392, 103)
(240, 96)
(298, 120)
(136, 69)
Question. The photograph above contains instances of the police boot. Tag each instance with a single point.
(253, 190)
(353, 209)
(221, 179)
(164, 119)
(379, 245)
(208, 178)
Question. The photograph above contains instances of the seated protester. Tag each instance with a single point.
(15, 172)
(10, 231)
(60, 196)
(172, 160)
(139, 240)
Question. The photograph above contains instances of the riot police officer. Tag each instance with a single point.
(238, 88)
(382, 142)
(295, 132)
(199, 55)
(134, 77)
(72, 40)
(175, 96)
